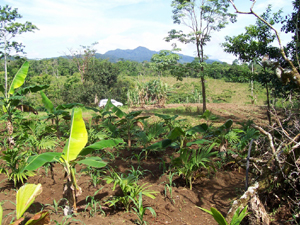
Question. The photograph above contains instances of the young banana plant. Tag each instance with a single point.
(12, 98)
(25, 197)
(74, 153)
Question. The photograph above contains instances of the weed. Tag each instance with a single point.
(140, 210)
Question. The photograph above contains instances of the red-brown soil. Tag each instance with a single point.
(217, 190)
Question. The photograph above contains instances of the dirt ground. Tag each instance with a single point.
(217, 190)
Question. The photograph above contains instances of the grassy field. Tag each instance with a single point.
(218, 91)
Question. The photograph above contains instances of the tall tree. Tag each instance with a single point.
(202, 17)
(256, 42)
(284, 74)
(164, 60)
(8, 30)
(292, 25)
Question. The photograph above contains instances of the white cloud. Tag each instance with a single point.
(124, 24)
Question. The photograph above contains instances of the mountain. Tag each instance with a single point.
(140, 54)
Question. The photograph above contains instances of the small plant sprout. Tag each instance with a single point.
(140, 210)
(237, 218)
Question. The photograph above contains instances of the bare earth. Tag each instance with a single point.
(217, 190)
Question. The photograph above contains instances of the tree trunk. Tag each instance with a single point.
(268, 103)
(203, 93)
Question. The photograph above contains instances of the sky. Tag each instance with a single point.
(65, 25)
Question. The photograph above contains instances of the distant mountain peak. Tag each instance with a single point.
(138, 54)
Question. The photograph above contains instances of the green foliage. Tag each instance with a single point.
(190, 160)
(140, 210)
(14, 164)
(129, 187)
(148, 134)
(239, 215)
(24, 198)
(74, 153)
(93, 204)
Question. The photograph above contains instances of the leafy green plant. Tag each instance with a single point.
(129, 187)
(24, 198)
(74, 153)
(169, 187)
(38, 135)
(56, 113)
(140, 210)
(237, 218)
(13, 98)
(93, 204)
(14, 164)
(190, 160)
(128, 121)
(149, 133)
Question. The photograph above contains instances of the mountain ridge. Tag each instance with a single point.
(140, 54)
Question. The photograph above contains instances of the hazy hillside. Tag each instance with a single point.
(139, 54)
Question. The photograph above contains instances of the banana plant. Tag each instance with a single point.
(74, 153)
(25, 197)
(177, 138)
(54, 113)
(127, 122)
(13, 98)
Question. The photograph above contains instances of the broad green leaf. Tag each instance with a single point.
(47, 103)
(32, 88)
(1, 213)
(228, 123)
(93, 162)
(161, 144)
(2, 89)
(175, 133)
(78, 136)
(218, 216)
(198, 142)
(69, 106)
(39, 218)
(36, 161)
(100, 145)
(118, 112)
(19, 78)
(197, 129)
(25, 197)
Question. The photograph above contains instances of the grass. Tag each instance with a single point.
(217, 90)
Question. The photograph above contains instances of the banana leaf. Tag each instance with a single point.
(32, 88)
(100, 145)
(197, 129)
(19, 78)
(175, 133)
(1, 213)
(198, 142)
(161, 144)
(36, 161)
(78, 137)
(39, 219)
(25, 197)
(69, 106)
(3, 91)
(93, 161)
(47, 103)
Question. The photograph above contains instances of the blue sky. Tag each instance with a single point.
(125, 24)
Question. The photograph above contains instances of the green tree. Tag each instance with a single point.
(284, 74)
(292, 25)
(9, 29)
(202, 17)
(164, 60)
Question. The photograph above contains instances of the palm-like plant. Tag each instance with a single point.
(190, 160)
(129, 187)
